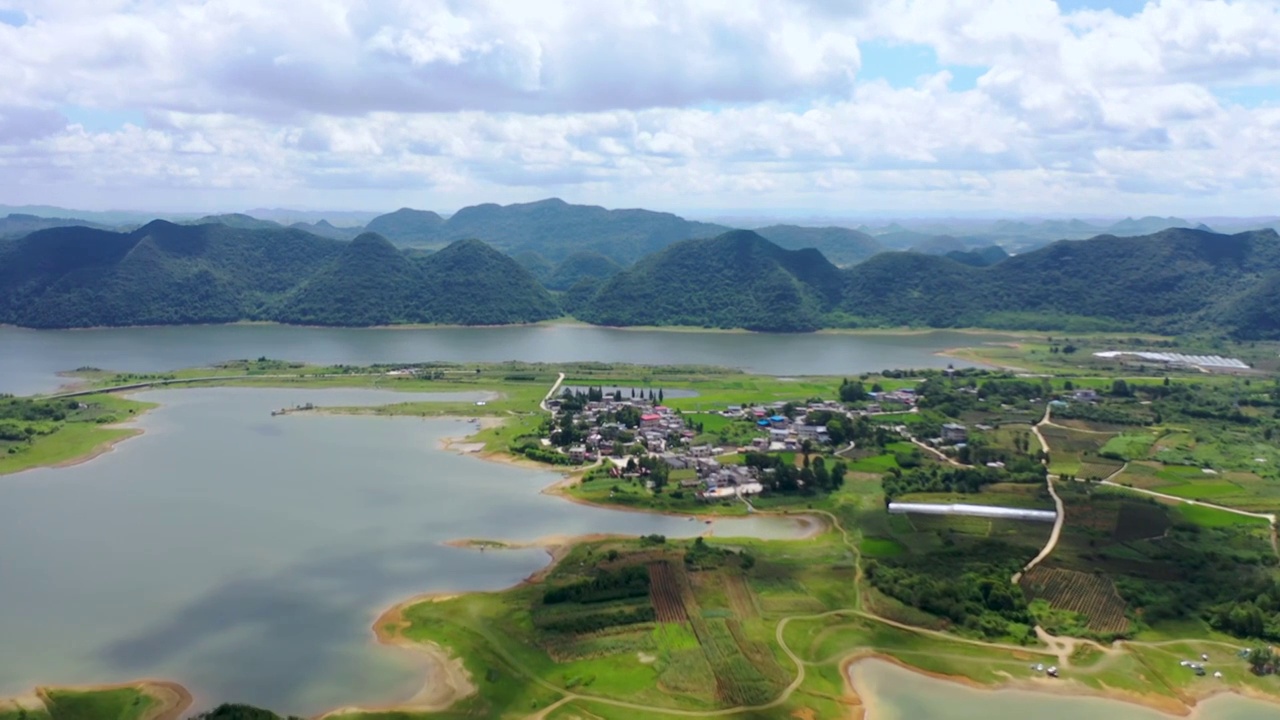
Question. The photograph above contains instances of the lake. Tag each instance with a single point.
(247, 556)
(30, 359)
(893, 693)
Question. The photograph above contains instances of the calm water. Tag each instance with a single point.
(892, 693)
(30, 359)
(247, 556)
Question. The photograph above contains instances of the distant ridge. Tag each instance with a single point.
(551, 228)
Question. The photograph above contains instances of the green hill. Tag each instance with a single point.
(841, 246)
(183, 274)
(370, 283)
(408, 227)
(979, 257)
(582, 265)
(735, 280)
(19, 224)
(159, 274)
(539, 267)
(470, 283)
(551, 228)
(1173, 281)
(237, 220)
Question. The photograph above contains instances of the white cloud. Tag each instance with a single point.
(719, 103)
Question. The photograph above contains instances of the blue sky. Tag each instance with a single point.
(797, 106)
(1120, 7)
(902, 65)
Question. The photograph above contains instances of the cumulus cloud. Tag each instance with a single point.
(719, 103)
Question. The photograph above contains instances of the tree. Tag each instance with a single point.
(659, 394)
(838, 430)
(1262, 660)
(1120, 388)
(852, 391)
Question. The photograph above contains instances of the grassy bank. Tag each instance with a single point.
(37, 433)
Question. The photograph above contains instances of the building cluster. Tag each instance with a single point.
(664, 434)
(657, 429)
(780, 433)
(891, 401)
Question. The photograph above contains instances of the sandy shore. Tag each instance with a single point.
(447, 680)
(460, 443)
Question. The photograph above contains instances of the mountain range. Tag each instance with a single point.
(553, 230)
(164, 273)
(780, 278)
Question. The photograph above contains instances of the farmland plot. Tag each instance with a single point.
(665, 594)
(1093, 596)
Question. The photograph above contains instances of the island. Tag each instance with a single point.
(1085, 515)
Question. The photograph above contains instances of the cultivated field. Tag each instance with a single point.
(1091, 595)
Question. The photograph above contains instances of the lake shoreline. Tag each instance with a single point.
(570, 322)
(1191, 706)
(447, 681)
(172, 699)
(97, 451)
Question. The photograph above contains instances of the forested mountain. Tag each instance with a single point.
(237, 220)
(551, 228)
(19, 224)
(979, 257)
(580, 265)
(369, 283)
(407, 226)
(325, 229)
(167, 274)
(735, 280)
(1172, 281)
(841, 246)
(470, 283)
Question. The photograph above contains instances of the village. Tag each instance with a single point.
(635, 433)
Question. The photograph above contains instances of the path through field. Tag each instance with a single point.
(551, 393)
(1057, 503)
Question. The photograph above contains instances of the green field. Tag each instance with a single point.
(627, 628)
(126, 703)
(90, 425)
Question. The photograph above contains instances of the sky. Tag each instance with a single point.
(838, 107)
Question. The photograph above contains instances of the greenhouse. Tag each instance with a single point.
(987, 511)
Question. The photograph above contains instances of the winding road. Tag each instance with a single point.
(551, 393)
(1061, 518)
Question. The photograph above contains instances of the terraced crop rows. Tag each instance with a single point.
(664, 593)
(1093, 596)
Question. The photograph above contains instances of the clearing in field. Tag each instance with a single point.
(1091, 595)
